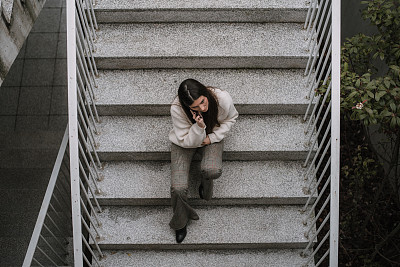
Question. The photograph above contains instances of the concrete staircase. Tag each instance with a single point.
(256, 51)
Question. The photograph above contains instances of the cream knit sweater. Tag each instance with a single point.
(189, 135)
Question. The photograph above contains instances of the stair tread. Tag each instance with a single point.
(256, 182)
(273, 91)
(201, 40)
(252, 134)
(201, 11)
(219, 226)
(179, 4)
(221, 258)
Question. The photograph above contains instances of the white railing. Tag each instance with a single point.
(49, 240)
(82, 118)
(80, 159)
(323, 69)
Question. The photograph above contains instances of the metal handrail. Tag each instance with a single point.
(63, 200)
(51, 197)
(83, 117)
(323, 69)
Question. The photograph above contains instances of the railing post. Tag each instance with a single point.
(73, 134)
(335, 132)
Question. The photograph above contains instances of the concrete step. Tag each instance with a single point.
(201, 45)
(253, 137)
(241, 183)
(201, 11)
(219, 227)
(254, 91)
(220, 258)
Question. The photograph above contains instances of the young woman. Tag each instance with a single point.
(201, 117)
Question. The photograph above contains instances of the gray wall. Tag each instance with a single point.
(351, 20)
(34, 94)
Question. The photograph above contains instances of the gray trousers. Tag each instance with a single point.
(211, 168)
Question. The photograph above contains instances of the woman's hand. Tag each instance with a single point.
(199, 119)
(206, 141)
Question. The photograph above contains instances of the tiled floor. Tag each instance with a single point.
(34, 93)
(33, 102)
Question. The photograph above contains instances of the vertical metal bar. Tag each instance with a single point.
(94, 17)
(45, 254)
(90, 250)
(89, 62)
(73, 134)
(312, 16)
(88, 214)
(335, 147)
(87, 162)
(87, 48)
(52, 249)
(87, 261)
(311, 258)
(55, 238)
(88, 199)
(45, 204)
(88, 150)
(88, 13)
(322, 258)
(85, 72)
(85, 25)
(38, 263)
(93, 238)
(97, 189)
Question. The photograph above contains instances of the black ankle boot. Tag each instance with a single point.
(180, 234)
(201, 191)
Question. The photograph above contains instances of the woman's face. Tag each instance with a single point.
(200, 104)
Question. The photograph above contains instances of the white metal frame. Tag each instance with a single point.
(83, 162)
(323, 28)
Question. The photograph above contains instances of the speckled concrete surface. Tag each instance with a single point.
(145, 4)
(257, 182)
(183, 45)
(201, 15)
(150, 92)
(253, 227)
(220, 258)
(279, 136)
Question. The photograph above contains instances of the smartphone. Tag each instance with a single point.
(197, 113)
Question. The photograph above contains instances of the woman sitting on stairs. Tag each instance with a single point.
(201, 118)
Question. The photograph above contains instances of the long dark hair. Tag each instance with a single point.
(188, 92)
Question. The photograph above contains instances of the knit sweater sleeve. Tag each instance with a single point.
(184, 133)
(226, 117)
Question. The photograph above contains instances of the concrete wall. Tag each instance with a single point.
(34, 94)
(16, 20)
(352, 23)
(33, 108)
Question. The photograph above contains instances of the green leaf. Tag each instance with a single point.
(352, 94)
(393, 107)
(387, 83)
(393, 122)
(379, 94)
(386, 113)
(370, 94)
(370, 112)
(363, 116)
